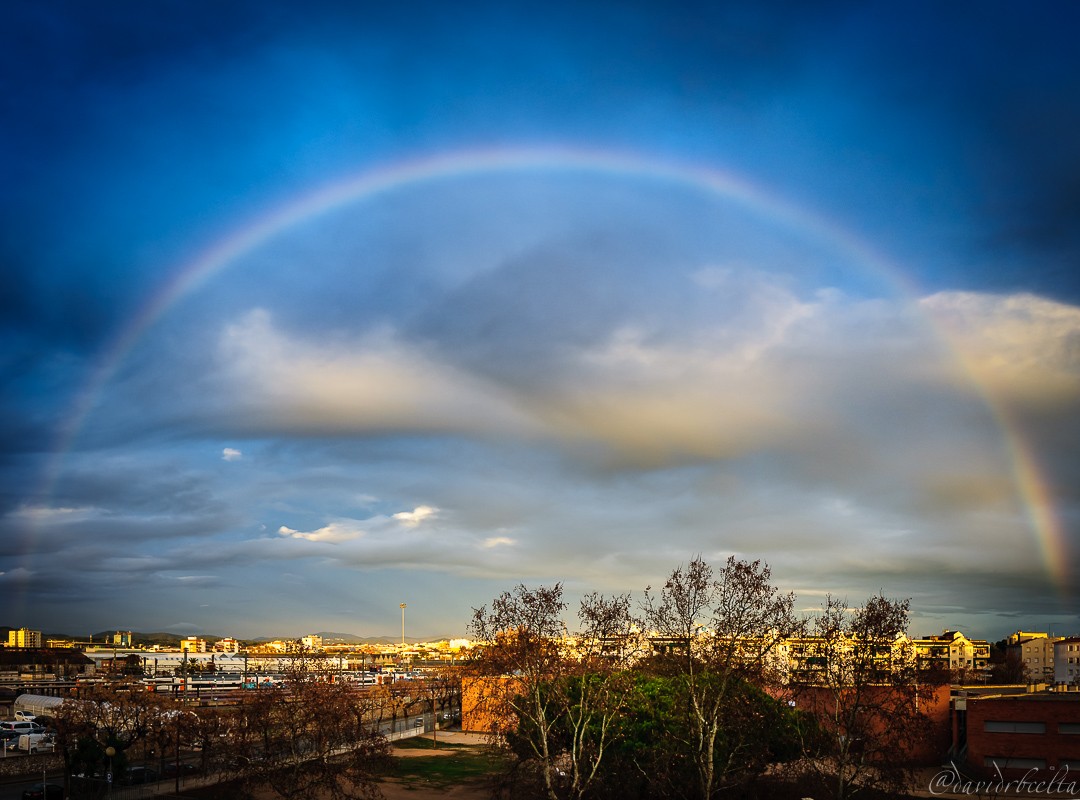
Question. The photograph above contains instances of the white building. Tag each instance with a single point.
(159, 663)
(227, 645)
(1067, 660)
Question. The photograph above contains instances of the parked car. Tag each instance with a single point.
(139, 775)
(183, 769)
(25, 716)
(44, 791)
(37, 742)
(10, 739)
(21, 726)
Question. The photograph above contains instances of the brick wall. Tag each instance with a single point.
(1031, 731)
(934, 705)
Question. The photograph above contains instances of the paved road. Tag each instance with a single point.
(12, 789)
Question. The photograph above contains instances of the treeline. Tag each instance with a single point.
(705, 705)
(307, 736)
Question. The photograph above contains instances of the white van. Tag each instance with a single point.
(37, 743)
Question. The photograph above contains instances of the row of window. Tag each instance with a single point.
(991, 726)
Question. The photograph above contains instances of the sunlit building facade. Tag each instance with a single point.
(1067, 660)
(24, 637)
(1036, 652)
(952, 651)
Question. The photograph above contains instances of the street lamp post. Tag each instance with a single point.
(402, 624)
(110, 751)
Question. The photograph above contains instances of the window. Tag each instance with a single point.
(1069, 727)
(1014, 727)
(1004, 762)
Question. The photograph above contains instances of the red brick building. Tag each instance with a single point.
(933, 703)
(1018, 733)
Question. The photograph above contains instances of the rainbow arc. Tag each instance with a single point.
(1031, 484)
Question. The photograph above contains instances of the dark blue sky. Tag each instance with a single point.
(863, 368)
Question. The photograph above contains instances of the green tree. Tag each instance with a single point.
(722, 631)
(649, 759)
(593, 691)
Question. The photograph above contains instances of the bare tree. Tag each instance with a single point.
(105, 716)
(554, 694)
(594, 688)
(866, 695)
(305, 737)
(522, 653)
(720, 630)
(440, 689)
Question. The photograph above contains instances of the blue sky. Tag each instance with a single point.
(793, 282)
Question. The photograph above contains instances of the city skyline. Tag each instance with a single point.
(314, 312)
(344, 638)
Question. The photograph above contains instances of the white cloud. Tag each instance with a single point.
(411, 519)
(770, 369)
(1023, 347)
(334, 532)
(811, 430)
(375, 384)
(231, 454)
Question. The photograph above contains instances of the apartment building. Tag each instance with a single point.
(24, 637)
(227, 645)
(952, 651)
(193, 644)
(1067, 660)
(1036, 652)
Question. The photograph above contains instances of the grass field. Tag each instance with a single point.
(454, 764)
